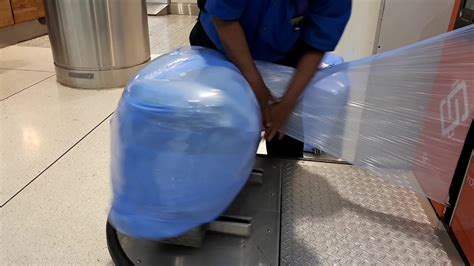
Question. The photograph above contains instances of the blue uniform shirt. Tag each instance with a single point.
(268, 24)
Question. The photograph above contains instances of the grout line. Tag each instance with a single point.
(31, 70)
(61, 156)
(11, 95)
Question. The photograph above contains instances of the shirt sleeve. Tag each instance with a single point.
(324, 23)
(226, 9)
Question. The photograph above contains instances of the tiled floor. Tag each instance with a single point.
(54, 155)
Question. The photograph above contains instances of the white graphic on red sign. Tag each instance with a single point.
(454, 109)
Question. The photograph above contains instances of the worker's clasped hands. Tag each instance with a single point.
(275, 114)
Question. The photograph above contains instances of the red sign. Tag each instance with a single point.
(446, 123)
(462, 223)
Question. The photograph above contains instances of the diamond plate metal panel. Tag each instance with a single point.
(338, 214)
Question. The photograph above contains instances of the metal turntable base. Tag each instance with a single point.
(330, 214)
(260, 200)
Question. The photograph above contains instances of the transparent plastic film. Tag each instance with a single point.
(186, 130)
(403, 114)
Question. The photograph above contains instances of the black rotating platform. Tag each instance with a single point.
(248, 233)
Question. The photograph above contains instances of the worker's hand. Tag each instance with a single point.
(266, 121)
(279, 114)
(265, 100)
(236, 48)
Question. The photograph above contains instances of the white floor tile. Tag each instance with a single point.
(26, 58)
(42, 41)
(60, 218)
(13, 81)
(164, 32)
(169, 32)
(41, 123)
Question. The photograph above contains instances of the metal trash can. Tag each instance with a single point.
(97, 43)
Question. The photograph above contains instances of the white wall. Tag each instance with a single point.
(400, 22)
(358, 40)
(408, 21)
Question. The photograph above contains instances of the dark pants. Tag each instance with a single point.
(287, 147)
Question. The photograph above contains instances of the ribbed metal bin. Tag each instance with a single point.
(97, 43)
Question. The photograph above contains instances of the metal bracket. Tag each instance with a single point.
(226, 224)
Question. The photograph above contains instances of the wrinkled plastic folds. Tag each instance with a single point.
(186, 130)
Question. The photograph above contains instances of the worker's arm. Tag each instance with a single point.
(279, 112)
(235, 45)
(322, 28)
